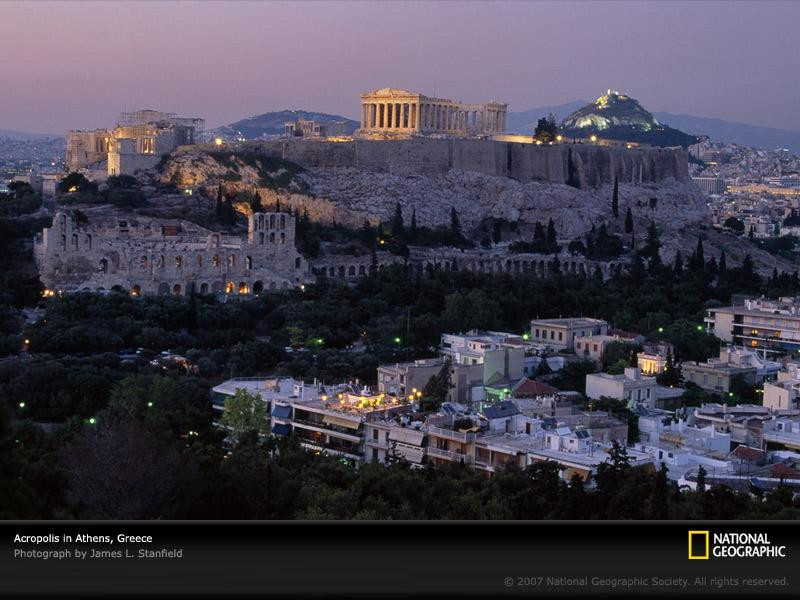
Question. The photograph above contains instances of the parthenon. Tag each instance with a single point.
(390, 112)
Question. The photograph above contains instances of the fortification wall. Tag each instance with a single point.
(585, 164)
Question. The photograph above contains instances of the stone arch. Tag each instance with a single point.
(176, 289)
(351, 271)
(199, 260)
(74, 241)
(272, 221)
(117, 288)
(143, 263)
(88, 241)
(229, 287)
(243, 288)
(341, 270)
(178, 262)
(283, 221)
(258, 287)
(103, 266)
(362, 270)
(216, 287)
(332, 271)
(249, 262)
(215, 260)
(272, 237)
(136, 291)
(204, 288)
(283, 237)
(163, 289)
(231, 260)
(261, 237)
(261, 224)
(272, 285)
(63, 242)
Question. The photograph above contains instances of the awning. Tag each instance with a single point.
(413, 455)
(407, 436)
(282, 412)
(329, 420)
(281, 429)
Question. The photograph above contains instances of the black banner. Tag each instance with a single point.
(373, 559)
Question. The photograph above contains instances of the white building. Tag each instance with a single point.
(630, 386)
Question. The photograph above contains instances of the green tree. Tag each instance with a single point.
(397, 228)
(242, 413)
(455, 224)
(76, 182)
(436, 390)
(546, 129)
(615, 200)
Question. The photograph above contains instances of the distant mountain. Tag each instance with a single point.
(617, 116)
(271, 123)
(24, 135)
(737, 133)
(525, 122)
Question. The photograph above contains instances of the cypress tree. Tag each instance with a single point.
(629, 221)
(699, 259)
(723, 266)
(397, 221)
(551, 241)
(615, 199)
(538, 233)
(455, 224)
(219, 201)
(412, 231)
(677, 266)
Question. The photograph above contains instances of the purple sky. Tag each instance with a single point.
(78, 64)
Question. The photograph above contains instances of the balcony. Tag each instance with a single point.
(451, 456)
(456, 436)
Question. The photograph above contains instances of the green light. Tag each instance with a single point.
(526, 336)
(149, 404)
(92, 420)
(320, 341)
(660, 330)
(699, 328)
(397, 340)
(22, 405)
(730, 394)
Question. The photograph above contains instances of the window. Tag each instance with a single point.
(552, 335)
(375, 434)
(537, 333)
(215, 260)
(199, 260)
(178, 262)
(560, 335)
(249, 261)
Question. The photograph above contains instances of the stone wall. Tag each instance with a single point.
(592, 165)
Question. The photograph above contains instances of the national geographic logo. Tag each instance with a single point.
(703, 545)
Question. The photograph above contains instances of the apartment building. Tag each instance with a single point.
(770, 326)
(403, 379)
(630, 386)
(717, 374)
(560, 334)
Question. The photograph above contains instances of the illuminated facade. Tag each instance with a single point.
(390, 112)
(137, 142)
(103, 251)
(760, 324)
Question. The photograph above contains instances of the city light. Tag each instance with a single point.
(593, 138)
(660, 330)
(149, 404)
(92, 420)
(22, 405)
(218, 141)
(397, 340)
(526, 336)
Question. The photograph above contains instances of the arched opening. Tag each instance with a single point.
(272, 221)
(272, 285)
(63, 242)
(272, 238)
(176, 289)
(261, 237)
(229, 287)
(204, 288)
(232, 260)
(351, 271)
(332, 271)
(243, 289)
(103, 268)
(216, 287)
(74, 241)
(249, 262)
(199, 260)
(143, 263)
(362, 270)
(215, 260)
(117, 288)
(258, 287)
(178, 262)
(88, 242)
(261, 225)
(341, 271)
(136, 291)
(163, 289)
(283, 238)
(283, 221)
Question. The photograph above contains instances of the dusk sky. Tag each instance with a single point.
(78, 64)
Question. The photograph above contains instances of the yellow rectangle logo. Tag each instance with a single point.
(697, 556)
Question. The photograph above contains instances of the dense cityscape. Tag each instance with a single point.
(430, 309)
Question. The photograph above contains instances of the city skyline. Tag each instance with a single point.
(677, 57)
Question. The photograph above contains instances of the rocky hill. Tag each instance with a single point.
(350, 194)
(617, 116)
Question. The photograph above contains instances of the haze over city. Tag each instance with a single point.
(93, 60)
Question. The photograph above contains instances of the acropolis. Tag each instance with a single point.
(391, 112)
